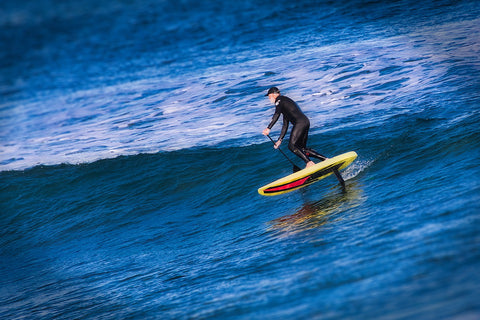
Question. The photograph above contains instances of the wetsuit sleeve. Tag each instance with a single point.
(275, 117)
(284, 128)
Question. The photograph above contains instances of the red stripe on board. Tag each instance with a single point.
(288, 185)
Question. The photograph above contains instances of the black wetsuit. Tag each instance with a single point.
(299, 135)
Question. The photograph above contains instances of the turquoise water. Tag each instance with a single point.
(131, 153)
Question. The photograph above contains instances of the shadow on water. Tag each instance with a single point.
(318, 214)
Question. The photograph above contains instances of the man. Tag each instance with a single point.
(299, 135)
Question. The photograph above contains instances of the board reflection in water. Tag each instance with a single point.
(335, 206)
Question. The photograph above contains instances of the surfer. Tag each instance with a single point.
(299, 134)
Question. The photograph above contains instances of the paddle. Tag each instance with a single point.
(295, 168)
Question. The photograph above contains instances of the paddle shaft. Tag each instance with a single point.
(295, 168)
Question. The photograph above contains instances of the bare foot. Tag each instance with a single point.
(309, 164)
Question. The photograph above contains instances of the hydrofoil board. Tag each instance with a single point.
(308, 175)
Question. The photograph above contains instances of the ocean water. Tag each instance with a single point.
(131, 153)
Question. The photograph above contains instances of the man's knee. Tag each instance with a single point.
(291, 146)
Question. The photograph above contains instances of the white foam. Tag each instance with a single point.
(331, 84)
(355, 169)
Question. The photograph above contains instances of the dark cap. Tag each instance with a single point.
(273, 90)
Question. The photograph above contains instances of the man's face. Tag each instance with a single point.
(273, 97)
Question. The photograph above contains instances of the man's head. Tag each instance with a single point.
(273, 93)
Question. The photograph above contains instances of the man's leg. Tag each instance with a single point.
(312, 153)
(297, 137)
(302, 144)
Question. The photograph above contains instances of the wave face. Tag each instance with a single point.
(131, 152)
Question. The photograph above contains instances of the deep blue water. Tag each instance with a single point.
(131, 153)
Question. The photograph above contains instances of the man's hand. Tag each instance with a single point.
(266, 132)
(278, 143)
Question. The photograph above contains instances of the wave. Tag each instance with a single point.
(340, 85)
(402, 138)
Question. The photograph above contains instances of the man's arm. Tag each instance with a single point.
(275, 117)
(284, 128)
